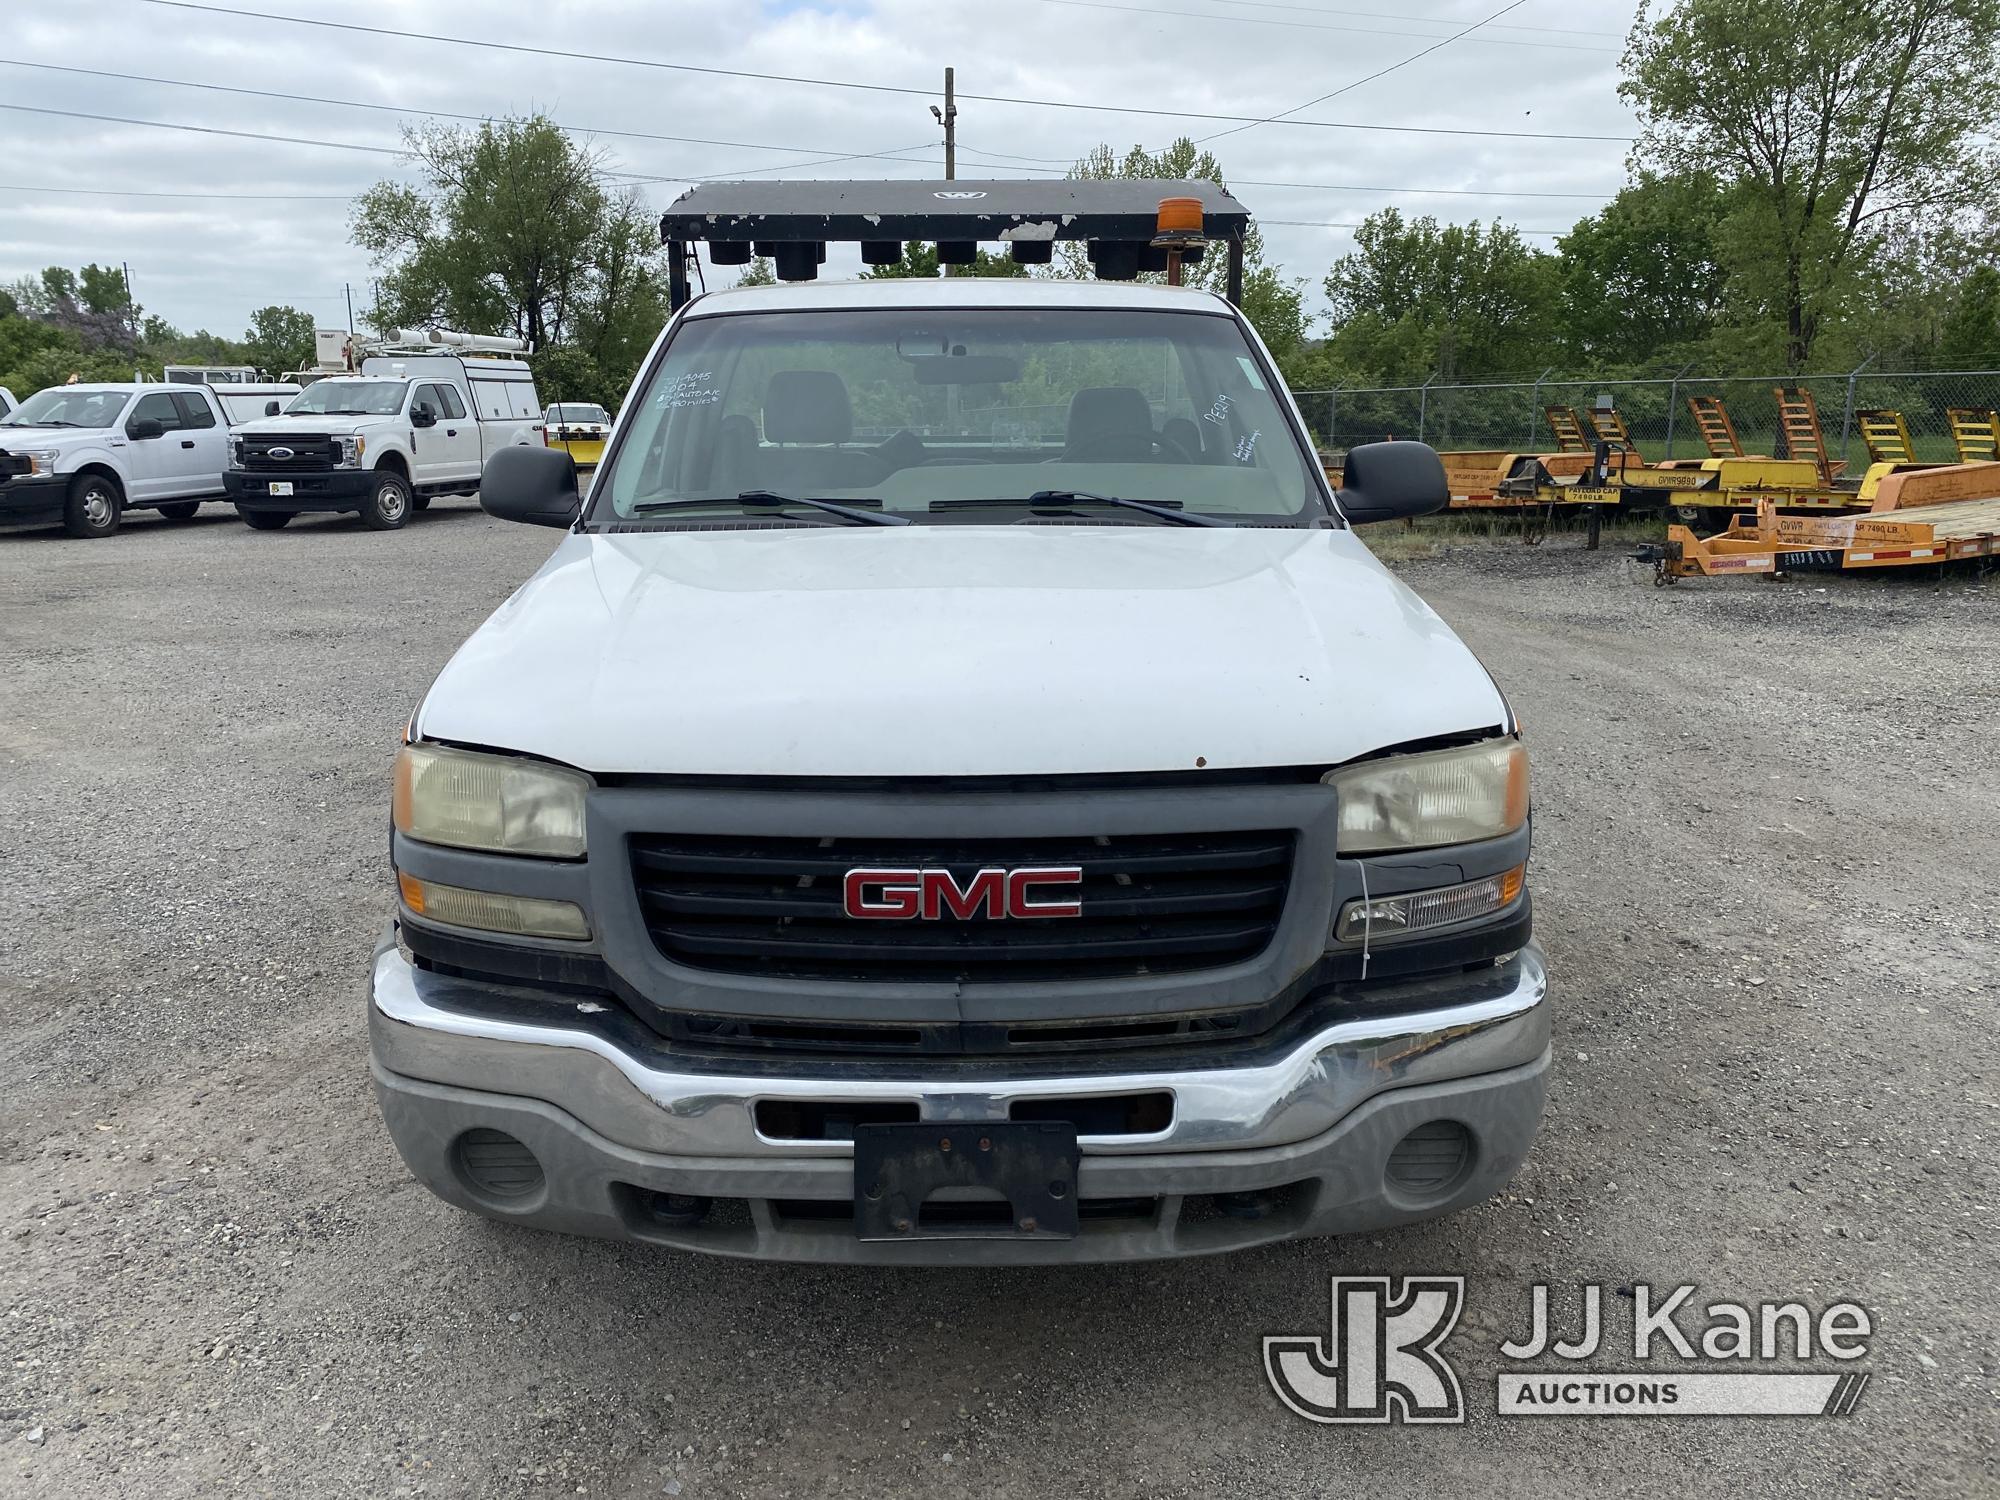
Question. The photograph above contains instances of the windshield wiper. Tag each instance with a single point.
(771, 500)
(45, 422)
(1058, 501)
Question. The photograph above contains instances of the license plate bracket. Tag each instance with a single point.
(1032, 1164)
(281, 486)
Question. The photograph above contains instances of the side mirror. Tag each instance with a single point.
(271, 408)
(144, 428)
(533, 485)
(1390, 481)
(421, 415)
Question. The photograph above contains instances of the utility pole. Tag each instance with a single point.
(131, 310)
(349, 289)
(948, 117)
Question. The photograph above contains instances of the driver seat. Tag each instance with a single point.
(1109, 424)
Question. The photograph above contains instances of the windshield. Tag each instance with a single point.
(962, 416)
(62, 407)
(569, 412)
(350, 398)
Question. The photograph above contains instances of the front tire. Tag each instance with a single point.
(264, 520)
(93, 508)
(181, 510)
(388, 504)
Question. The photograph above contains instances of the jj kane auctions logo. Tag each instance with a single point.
(1382, 1361)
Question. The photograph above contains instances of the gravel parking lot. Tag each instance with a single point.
(1766, 875)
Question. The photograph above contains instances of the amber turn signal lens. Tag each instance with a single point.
(492, 911)
(1389, 917)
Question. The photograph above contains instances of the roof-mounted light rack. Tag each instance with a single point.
(1128, 225)
(444, 341)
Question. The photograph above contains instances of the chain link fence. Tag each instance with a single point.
(1512, 416)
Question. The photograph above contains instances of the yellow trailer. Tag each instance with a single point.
(1936, 514)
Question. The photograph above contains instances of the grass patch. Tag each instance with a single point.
(1428, 536)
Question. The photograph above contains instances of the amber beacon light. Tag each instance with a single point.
(1178, 229)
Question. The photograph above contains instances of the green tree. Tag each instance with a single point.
(625, 301)
(103, 289)
(1642, 279)
(1273, 303)
(920, 263)
(1417, 298)
(92, 304)
(1837, 126)
(758, 273)
(279, 339)
(514, 229)
(1970, 338)
(563, 372)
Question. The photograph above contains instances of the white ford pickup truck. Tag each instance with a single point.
(83, 455)
(961, 791)
(417, 422)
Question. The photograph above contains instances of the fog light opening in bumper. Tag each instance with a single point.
(677, 1210)
(497, 1169)
(1254, 1205)
(1432, 1161)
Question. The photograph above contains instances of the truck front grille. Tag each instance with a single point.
(293, 453)
(1152, 904)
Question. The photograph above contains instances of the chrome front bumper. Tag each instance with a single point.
(611, 1122)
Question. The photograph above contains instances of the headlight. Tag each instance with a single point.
(235, 451)
(44, 459)
(1432, 798)
(499, 803)
(351, 449)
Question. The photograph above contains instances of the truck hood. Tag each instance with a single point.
(14, 439)
(959, 651)
(318, 425)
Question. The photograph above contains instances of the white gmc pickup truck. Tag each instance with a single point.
(961, 791)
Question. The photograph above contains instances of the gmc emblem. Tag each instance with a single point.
(901, 895)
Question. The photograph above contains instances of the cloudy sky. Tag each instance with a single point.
(278, 171)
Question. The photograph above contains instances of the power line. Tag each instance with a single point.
(1317, 187)
(1378, 73)
(894, 154)
(37, 187)
(1377, 15)
(438, 114)
(1198, 15)
(243, 135)
(634, 178)
(1317, 224)
(788, 166)
(523, 49)
(1342, 187)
